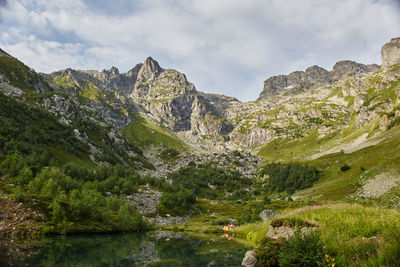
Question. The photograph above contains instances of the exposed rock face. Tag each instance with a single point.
(313, 76)
(346, 68)
(175, 102)
(391, 52)
(107, 79)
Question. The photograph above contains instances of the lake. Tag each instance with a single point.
(157, 248)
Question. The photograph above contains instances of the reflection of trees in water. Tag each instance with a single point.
(98, 250)
(14, 252)
(131, 249)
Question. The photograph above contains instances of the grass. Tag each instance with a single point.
(253, 232)
(20, 75)
(145, 134)
(91, 91)
(63, 82)
(337, 185)
(351, 232)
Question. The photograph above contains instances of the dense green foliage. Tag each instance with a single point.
(289, 177)
(31, 131)
(302, 249)
(20, 75)
(204, 181)
(43, 160)
(74, 197)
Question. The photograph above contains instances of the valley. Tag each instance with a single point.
(99, 152)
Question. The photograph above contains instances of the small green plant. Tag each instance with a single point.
(302, 249)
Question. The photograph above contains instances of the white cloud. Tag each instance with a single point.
(225, 46)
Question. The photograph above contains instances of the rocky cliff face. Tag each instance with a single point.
(110, 80)
(313, 77)
(175, 102)
(391, 52)
(292, 105)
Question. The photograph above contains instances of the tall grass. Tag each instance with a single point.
(355, 234)
(253, 232)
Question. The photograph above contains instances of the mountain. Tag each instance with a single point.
(103, 151)
(315, 102)
(149, 134)
(314, 76)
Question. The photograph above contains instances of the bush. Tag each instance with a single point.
(303, 249)
(291, 222)
(267, 253)
(345, 167)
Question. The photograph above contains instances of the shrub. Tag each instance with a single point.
(291, 222)
(303, 249)
(345, 167)
(267, 253)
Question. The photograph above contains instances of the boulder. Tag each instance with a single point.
(249, 259)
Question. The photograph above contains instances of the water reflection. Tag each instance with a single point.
(138, 249)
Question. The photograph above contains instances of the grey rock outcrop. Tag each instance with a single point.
(313, 77)
(175, 102)
(391, 52)
(109, 80)
(346, 68)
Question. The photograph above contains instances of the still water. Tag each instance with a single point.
(138, 249)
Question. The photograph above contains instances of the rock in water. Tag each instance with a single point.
(249, 259)
(391, 52)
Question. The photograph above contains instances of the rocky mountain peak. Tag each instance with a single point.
(112, 72)
(346, 68)
(149, 70)
(391, 52)
(298, 81)
(134, 71)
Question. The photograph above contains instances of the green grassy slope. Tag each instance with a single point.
(145, 134)
(20, 75)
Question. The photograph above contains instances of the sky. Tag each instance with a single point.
(223, 46)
